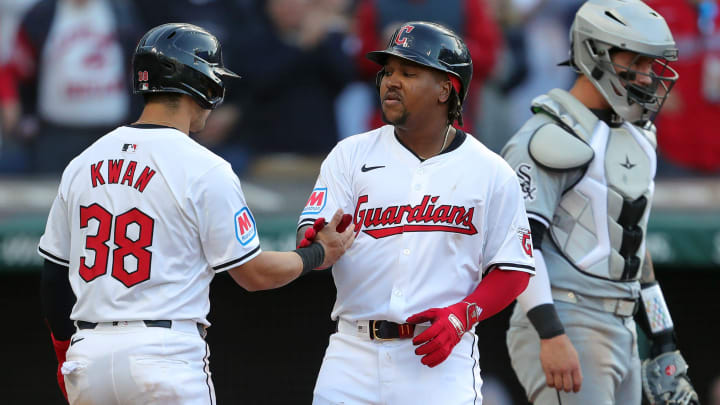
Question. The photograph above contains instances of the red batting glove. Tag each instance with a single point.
(61, 348)
(311, 232)
(344, 222)
(448, 326)
(319, 224)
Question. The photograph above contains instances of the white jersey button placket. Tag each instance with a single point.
(397, 299)
(418, 183)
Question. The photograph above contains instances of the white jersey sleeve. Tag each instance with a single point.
(227, 228)
(55, 242)
(333, 189)
(508, 242)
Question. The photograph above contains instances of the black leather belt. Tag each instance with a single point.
(161, 323)
(386, 330)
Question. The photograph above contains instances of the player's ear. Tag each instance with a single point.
(445, 90)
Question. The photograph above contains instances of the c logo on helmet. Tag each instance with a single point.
(400, 39)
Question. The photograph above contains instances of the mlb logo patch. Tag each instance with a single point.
(245, 229)
(317, 201)
(129, 147)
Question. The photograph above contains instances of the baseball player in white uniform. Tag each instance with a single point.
(143, 220)
(586, 161)
(435, 213)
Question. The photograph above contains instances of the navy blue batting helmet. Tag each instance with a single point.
(432, 45)
(181, 58)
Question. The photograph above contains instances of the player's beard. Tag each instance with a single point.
(400, 121)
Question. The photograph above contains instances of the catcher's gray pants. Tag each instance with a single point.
(606, 344)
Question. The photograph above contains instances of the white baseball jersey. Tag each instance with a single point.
(144, 218)
(427, 231)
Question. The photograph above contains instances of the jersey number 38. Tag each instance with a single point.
(126, 246)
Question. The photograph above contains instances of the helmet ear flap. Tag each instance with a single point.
(169, 67)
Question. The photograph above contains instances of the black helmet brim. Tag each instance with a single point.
(380, 57)
(225, 72)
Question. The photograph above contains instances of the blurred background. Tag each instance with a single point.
(65, 81)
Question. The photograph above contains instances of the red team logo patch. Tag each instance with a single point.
(400, 39)
(526, 240)
(317, 201)
(245, 229)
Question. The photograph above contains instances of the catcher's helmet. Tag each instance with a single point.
(180, 58)
(432, 45)
(604, 26)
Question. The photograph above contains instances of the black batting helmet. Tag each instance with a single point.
(181, 58)
(432, 45)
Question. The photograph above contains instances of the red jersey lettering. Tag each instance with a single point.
(129, 173)
(144, 179)
(95, 175)
(114, 169)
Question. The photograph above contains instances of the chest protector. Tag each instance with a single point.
(600, 222)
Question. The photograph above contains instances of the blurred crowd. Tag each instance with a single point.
(65, 79)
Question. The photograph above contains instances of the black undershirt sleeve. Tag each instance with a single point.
(537, 230)
(57, 299)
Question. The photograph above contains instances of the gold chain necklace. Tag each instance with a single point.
(447, 132)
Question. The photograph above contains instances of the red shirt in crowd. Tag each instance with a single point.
(689, 121)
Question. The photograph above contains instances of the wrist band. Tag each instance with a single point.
(545, 320)
(312, 257)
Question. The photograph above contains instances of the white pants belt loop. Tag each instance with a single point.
(617, 306)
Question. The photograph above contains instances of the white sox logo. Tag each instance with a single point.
(523, 173)
(424, 217)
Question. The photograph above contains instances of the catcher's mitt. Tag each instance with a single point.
(665, 380)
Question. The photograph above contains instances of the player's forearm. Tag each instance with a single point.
(648, 270)
(268, 270)
(497, 290)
